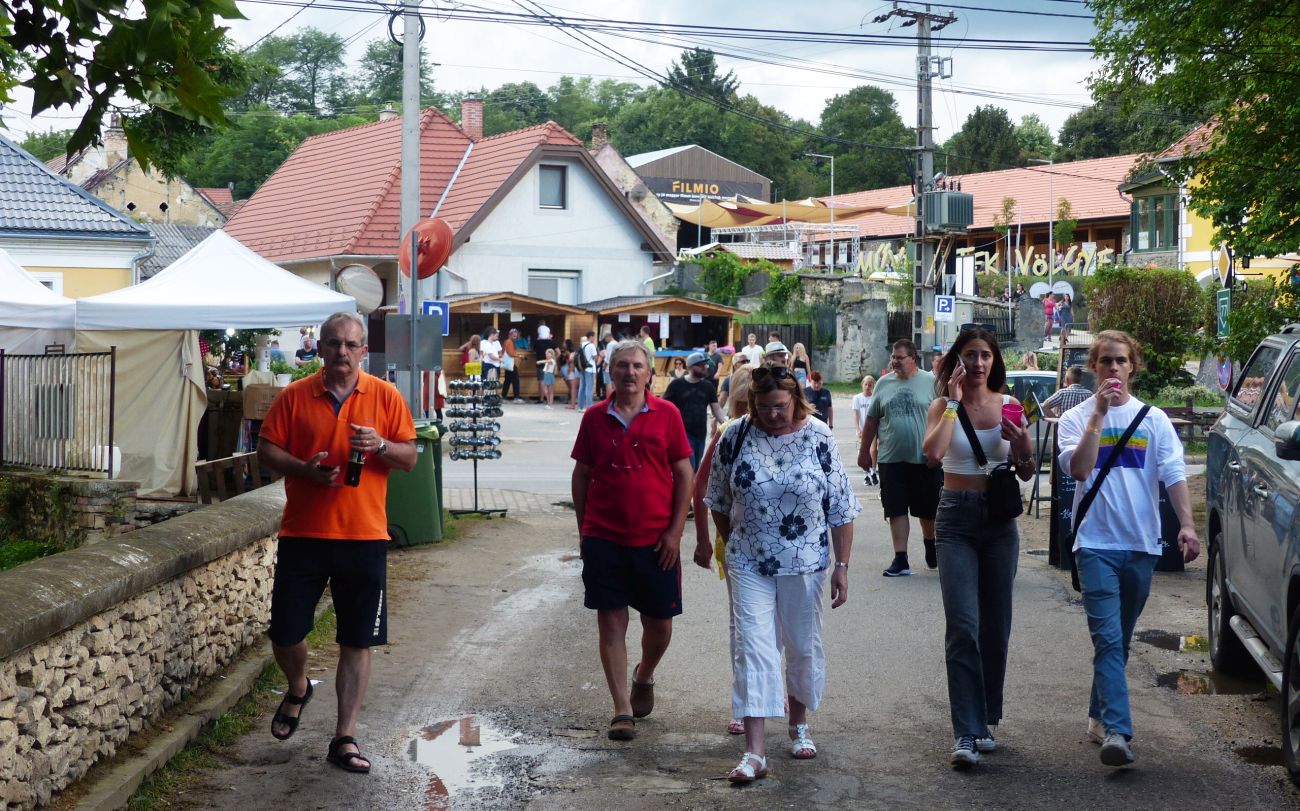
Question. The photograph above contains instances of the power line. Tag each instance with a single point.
(308, 5)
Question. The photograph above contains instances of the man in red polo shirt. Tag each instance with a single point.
(332, 533)
(631, 487)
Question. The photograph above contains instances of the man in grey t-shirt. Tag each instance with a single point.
(908, 482)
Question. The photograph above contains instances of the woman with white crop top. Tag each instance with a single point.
(977, 556)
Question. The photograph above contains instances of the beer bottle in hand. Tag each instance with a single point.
(352, 477)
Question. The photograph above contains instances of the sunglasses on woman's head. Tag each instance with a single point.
(764, 372)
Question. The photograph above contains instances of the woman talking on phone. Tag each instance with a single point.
(976, 530)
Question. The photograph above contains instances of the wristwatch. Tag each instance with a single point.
(840, 564)
(383, 447)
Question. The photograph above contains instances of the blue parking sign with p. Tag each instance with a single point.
(439, 308)
(945, 308)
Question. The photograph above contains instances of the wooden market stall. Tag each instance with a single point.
(472, 313)
(678, 324)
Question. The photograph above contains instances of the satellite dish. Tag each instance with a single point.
(434, 238)
(362, 284)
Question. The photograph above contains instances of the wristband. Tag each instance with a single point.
(840, 564)
(949, 415)
(953, 405)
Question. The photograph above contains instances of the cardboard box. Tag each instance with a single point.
(257, 400)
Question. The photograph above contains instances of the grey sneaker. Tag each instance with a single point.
(1096, 732)
(963, 754)
(1115, 750)
(987, 743)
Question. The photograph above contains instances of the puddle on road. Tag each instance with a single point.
(450, 750)
(1196, 683)
(1166, 640)
(1260, 755)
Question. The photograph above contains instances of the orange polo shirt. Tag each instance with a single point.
(302, 421)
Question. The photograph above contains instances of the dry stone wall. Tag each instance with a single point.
(97, 643)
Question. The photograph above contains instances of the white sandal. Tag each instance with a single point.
(801, 742)
(746, 772)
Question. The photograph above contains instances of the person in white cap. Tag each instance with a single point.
(695, 395)
(775, 354)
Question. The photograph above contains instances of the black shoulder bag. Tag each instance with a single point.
(1004, 501)
(1091, 495)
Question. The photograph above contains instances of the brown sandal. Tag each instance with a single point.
(642, 696)
(622, 728)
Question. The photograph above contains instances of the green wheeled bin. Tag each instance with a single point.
(415, 498)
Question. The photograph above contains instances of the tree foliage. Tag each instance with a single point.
(1034, 137)
(1239, 62)
(1261, 309)
(985, 143)
(1163, 309)
(1065, 223)
(379, 77)
(300, 72)
(1123, 121)
(698, 73)
(870, 115)
(172, 60)
(47, 145)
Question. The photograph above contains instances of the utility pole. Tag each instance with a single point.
(410, 188)
(927, 68)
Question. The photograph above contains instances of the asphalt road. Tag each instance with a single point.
(491, 695)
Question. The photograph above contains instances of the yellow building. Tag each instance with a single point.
(1166, 232)
(70, 241)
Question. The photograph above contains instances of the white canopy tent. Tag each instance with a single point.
(218, 284)
(161, 396)
(32, 316)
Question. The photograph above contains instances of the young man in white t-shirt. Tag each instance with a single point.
(1117, 545)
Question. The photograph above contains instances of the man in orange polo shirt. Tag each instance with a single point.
(332, 533)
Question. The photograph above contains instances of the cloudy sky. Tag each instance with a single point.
(1017, 73)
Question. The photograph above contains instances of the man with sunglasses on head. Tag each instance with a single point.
(631, 489)
(331, 533)
(908, 481)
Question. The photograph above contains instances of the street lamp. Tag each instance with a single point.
(1051, 224)
(830, 158)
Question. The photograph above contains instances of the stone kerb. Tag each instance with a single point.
(98, 642)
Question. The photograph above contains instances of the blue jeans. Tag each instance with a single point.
(1115, 586)
(586, 383)
(697, 449)
(977, 568)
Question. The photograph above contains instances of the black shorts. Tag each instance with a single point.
(357, 574)
(907, 487)
(616, 576)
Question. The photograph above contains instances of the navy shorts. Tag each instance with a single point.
(907, 487)
(357, 574)
(616, 576)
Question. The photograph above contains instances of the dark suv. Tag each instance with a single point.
(1252, 491)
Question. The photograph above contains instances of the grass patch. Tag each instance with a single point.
(165, 788)
(16, 552)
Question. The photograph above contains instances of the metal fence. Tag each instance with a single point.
(56, 411)
(791, 334)
(1004, 326)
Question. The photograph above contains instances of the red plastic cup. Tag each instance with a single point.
(1014, 412)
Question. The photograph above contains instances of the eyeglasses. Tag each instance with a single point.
(774, 372)
(774, 409)
(335, 343)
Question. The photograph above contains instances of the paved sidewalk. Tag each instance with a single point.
(516, 501)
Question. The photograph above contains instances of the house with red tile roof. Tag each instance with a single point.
(530, 210)
(1169, 233)
(1091, 186)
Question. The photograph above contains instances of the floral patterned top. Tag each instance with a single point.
(783, 494)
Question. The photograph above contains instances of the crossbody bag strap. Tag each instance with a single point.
(975, 446)
(1089, 496)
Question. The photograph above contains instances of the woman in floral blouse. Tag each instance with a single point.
(779, 494)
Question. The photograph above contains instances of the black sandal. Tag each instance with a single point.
(346, 760)
(289, 720)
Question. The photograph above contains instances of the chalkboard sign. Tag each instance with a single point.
(1061, 533)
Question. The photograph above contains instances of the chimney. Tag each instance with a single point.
(114, 141)
(388, 113)
(471, 117)
(599, 135)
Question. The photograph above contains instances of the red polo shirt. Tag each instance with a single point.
(630, 493)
